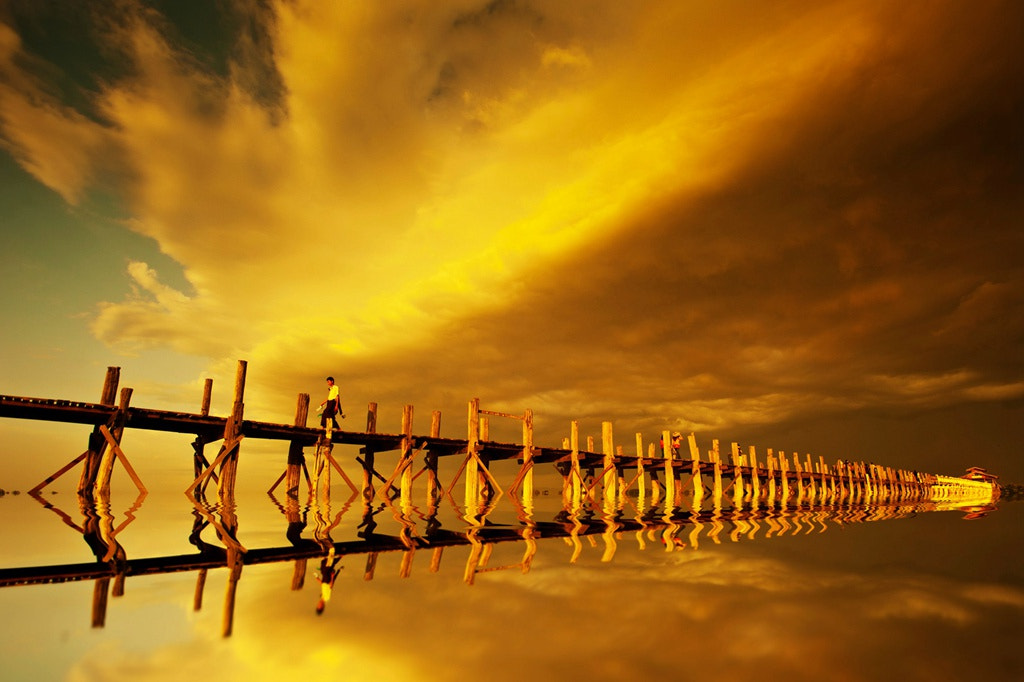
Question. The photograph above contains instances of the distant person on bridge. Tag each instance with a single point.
(331, 406)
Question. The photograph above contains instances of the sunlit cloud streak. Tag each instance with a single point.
(679, 215)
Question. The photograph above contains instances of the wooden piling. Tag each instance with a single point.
(407, 454)
(232, 437)
(434, 487)
(640, 478)
(527, 489)
(472, 472)
(698, 484)
(737, 477)
(296, 458)
(610, 474)
(755, 478)
(112, 443)
(575, 473)
(199, 444)
(670, 475)
(96, 441)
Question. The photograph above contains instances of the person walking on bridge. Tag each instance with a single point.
(331, 406)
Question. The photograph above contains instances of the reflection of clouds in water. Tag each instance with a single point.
(682, 614)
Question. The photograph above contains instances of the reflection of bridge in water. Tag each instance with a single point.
(658, 496)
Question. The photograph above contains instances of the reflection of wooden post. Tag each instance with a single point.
(299, 574)
(371, 566)
(235, 572)
(197, 596)
(405, 570)
(99, 602)
(295, 457)
(96, 439)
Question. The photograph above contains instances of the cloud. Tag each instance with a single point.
(664, 214)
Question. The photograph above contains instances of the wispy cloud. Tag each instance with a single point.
(691, 216)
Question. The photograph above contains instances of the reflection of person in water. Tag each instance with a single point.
(327, 574)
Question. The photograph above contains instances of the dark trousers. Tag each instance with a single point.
(330, 409)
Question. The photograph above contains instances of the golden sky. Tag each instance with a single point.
(793, 221)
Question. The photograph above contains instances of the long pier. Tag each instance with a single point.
(669, 485)
(662, 468)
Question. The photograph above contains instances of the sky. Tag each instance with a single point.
(796, 225)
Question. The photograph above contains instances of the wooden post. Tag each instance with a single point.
(407, 453)
(296, 459)
(799, 469)
(199, 444)
(430, 460)
(371, 418)
(716, 457)
(109, 451)
(575, 474)
(670, 472)
(96, 439)
(472, 472)
(755, 479)
(641, 481)
(784, 478)
(825, 478)
(737, 474)
(812, 484)
(656, 487)
(610, 475)
(232, 430)
(527, 492)
(369, 454)
(698, 484)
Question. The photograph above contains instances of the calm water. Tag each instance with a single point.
(929, 596)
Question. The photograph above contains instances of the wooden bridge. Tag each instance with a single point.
(658, 495)
(775, 479)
